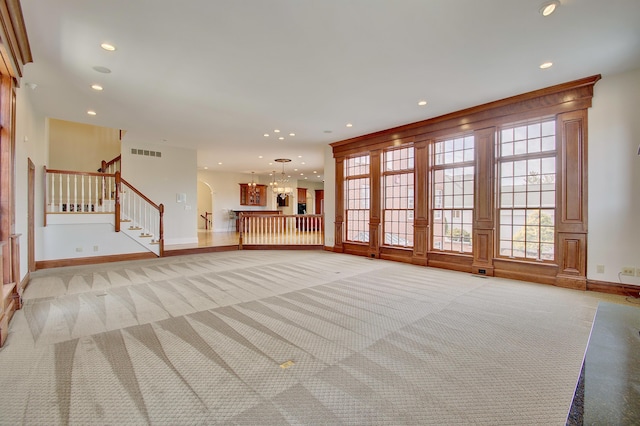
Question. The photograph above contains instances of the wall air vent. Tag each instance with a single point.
(146, 152)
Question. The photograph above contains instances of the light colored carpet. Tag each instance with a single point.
(199, 340)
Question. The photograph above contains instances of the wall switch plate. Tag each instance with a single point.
(628, 270)
(600, 269)
(637, 272)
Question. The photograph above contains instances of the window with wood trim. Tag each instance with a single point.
(398, 196)
(527, 190)
(357, 194)
(452, 182)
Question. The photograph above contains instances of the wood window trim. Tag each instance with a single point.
(571, 96)
(568, 103)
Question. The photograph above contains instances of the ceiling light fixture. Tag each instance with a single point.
(349, 125)
(281, 138)
(108, 47)
(279, 186)
(422, 103)
(206, 168)
(266, 135)
(549, 7)
(97, 87)
(253, 190)
(91, 112)
(292, 134)
(546, 65)
(276, 131)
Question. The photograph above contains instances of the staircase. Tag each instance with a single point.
(79, 197)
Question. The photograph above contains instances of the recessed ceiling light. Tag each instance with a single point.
(305, 177)
(299, 156)
(549, 7)
(422, 103)
(546, 65)
(271, 164)
(206, 168)
(259, 156)
(292, 134)
(276, 131)
(91, 112)
(295, 170)
(303, 163)
(220, 164)
(103, 70)
(281, 138)
(315, 172)
(266, 135)
(349, 125)
(301, 174)
(96, 87)
(108, 47)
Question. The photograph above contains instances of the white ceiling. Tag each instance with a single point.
(215, 75)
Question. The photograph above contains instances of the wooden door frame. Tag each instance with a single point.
(31, 179)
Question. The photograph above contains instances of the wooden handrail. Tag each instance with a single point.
(104, 165)
(108, 163)
(69, 172)
(140, 194)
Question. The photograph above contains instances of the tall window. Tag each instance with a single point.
(527, 187)
(452, 168)
(357, 198)
(398, 193)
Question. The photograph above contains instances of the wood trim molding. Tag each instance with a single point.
(569, 96)
(608, 287)
(45, 264)
(15, 50)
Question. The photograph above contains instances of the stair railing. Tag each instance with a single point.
(110, 167)
(142, 213)
(288, 230)
(79, 192)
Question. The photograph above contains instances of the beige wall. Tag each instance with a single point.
(81, 147)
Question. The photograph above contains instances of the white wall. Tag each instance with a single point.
(161, 179)
(85, 240)
(31, 142)
(226, 196)
(614, 178)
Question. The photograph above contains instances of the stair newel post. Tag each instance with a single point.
(117, 199)
(161, 230)
(103, 167)
(240, 230)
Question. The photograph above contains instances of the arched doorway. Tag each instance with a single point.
(205, 206)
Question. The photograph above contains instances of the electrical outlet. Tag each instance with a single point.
(628, 270)
(96, 248)
(78, 249)
(600, 269)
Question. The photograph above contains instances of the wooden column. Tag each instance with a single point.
(571, 211)
(375, 200)
(421, 203)
(339, 205)
(484, 206)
